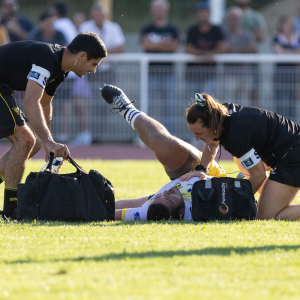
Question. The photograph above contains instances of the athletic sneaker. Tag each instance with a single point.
(116, 98)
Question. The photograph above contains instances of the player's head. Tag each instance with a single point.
(205, 117)
(90, 43)
(172, 200)
(159, 9)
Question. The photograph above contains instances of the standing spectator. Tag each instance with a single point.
(161, 37)
(17, 26)
(82, 94)
(68, 29)
(286, 41)
(252, 20)
(63, 23)
(203, 39)
(113, 37)
(46, 32)
(297, 19)
(238, 79)
(4, 37)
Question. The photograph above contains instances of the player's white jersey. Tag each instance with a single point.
(185, 188)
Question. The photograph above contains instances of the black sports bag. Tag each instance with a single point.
(68, 197)
(223, 198)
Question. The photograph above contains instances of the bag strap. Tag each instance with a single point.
(51, 158)
(73, 163)
(70, 160)
(237, 182)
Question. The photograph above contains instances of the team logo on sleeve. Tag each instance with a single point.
(34, 74)
(137, 216)
(248, 162)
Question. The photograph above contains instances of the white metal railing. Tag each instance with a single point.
(164, 92)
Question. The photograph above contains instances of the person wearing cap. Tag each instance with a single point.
(46, 32)
(206, 40)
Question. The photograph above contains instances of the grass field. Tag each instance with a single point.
(163, 260)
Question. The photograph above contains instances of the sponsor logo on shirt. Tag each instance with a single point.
(223, 208)
(137, 216)
(273, 171)
(248, 162)
(34, 74)
(45, 81)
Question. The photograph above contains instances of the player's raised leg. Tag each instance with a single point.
(177, 156)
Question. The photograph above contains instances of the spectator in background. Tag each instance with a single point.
(46, 32)
(252, 20)
(78, 19)
(17, 26)
(286, 41)
(113, 37)
(4, 37)
(297, 19)
(63, 23)
(203, 39)
(110, 32)
(82, 94)
(238, 78)
(161, 37)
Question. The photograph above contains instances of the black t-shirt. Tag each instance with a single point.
(204, 41)
(40, 62)
(158, 34)
(268, 133)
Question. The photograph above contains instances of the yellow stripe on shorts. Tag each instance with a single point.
(10, 112)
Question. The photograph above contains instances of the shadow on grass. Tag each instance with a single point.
(217, 251)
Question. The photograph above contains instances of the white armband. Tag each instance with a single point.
(250, 159)
(39, 75)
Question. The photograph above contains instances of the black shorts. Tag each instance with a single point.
(10, 114)
(287, 171)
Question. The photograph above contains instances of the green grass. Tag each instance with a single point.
(163, 260)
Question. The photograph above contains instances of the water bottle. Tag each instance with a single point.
(56, 163)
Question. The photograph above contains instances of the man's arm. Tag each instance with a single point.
(46, 103)
(131, 203)
(32, 106)
(168, 45)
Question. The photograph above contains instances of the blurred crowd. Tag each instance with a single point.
(242, 30)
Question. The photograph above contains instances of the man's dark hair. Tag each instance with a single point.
(90, 43)
(61, 8)
(175, 211)
(158, 212)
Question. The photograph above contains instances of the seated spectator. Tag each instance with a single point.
(17, 26)
(63, 23)
(160, 36)
(78, 19)
(237, 83)
(238, 40)
(252, 20)
(110, 32)
(46, 32)
(286, 41)
(203, 39)
(68, 29)
(82, 95)
(4, 37)
(297, 19)
(113, 37)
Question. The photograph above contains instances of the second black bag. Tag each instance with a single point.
(68, 197)
(223, 198)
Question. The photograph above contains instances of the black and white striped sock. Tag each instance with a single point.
(130, 115)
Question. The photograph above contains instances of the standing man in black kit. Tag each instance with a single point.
(36, 68)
